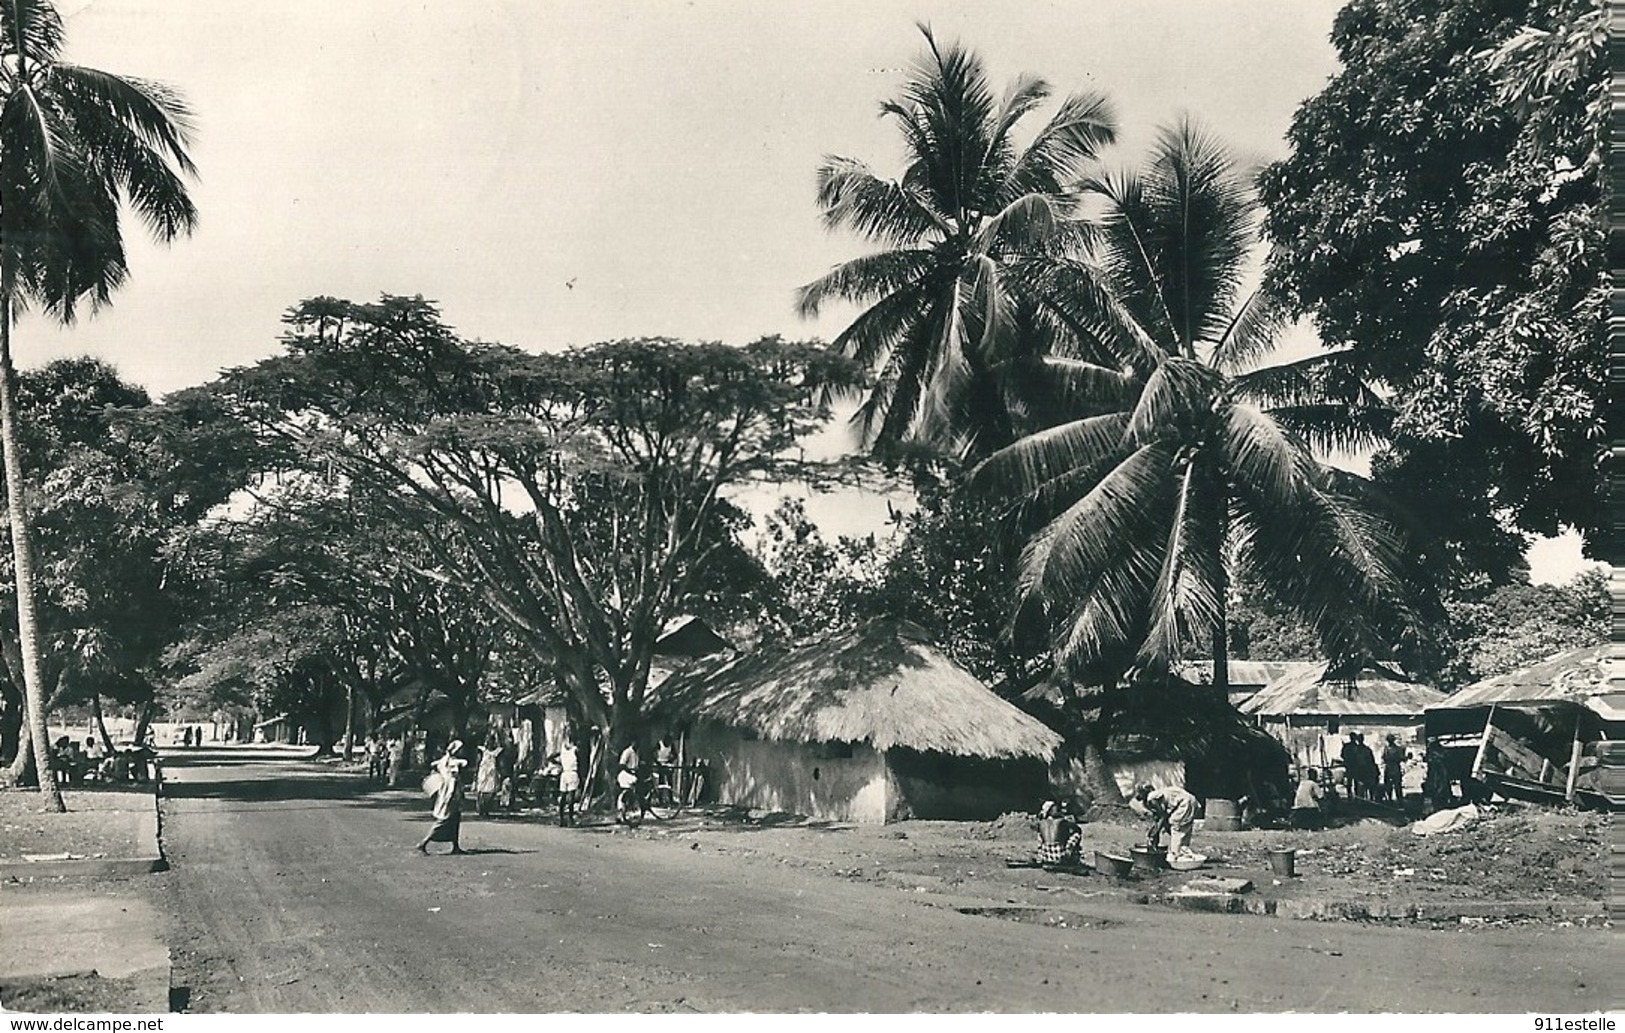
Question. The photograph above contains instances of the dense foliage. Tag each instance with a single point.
(1441, 217)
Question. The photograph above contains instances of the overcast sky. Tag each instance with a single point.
(563, 173)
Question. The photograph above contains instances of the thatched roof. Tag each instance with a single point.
(1374, 691)
(689, 637)
(1576, 675)
(884, 685)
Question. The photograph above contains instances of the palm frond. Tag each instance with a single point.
(869, 339)
(1082, 385)
(1333, 376)
(1186, 596)
(866, 278)
(1253, 332)
(156, 115)
(1027, 224)
(1330, 560)
(1037, 460)
(953, 109)
(1333, 427)
(1201, 228)
(851, 195)
(1024, 95)
(1067, 555)
(1070, 140)
(30, 30)
(1259, 454)
(1177, 395)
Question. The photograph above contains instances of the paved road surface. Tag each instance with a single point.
(294, 889)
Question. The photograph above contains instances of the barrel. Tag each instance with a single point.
(1284, 861)
(1222, 816)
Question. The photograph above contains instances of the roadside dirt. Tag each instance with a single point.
(1520, 853)
(78, 994)
(99, 824)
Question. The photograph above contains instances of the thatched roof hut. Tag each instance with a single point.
(884, 685)
(870, 725)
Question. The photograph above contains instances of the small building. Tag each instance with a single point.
(1310, 710)
(278, 729)
(873, 725)
(1247, 678)
(1525, 733)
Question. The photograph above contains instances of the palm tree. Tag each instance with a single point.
(1184, 459)
(75, 144)
(953, 317)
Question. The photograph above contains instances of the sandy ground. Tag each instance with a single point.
(100, 823)
(294, 889)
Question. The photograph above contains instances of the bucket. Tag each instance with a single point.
(1118, 866)
(1148, 860)
(1284, 862)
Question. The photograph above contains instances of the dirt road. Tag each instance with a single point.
(294, 889)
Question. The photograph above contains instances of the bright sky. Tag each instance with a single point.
(562, 173)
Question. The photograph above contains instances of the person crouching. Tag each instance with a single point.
(1060, 841)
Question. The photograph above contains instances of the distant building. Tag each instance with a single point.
(1312, 710)
(1247, 678)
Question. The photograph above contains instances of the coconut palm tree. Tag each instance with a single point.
(76, 144)
(951, 318)
(1185, 458)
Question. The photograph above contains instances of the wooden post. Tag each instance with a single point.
(1484, 743)
(1574, 760)
(682, 762)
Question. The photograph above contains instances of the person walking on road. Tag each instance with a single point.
(448, 800)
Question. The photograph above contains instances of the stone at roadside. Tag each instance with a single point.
(1217, 884)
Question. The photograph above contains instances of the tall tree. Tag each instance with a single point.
(588, 491)
(1441, 216)
(76, 144)
(954, 316)
(1190, 459)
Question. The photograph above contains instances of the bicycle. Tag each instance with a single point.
(652, 795)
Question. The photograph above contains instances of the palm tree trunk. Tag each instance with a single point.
(22, 554)
(1221, 625)
(101, 723)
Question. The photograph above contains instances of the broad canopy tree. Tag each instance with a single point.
(1440, 216)
(587, 494)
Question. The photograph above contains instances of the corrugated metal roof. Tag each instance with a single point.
(1576, 674)
(1245, 673)
(1371, 692)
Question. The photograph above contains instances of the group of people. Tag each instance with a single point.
(1364, 780)
(494, 783)
(1171, 810)
(191, 736)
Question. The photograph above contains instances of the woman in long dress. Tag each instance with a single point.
(448, 800)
